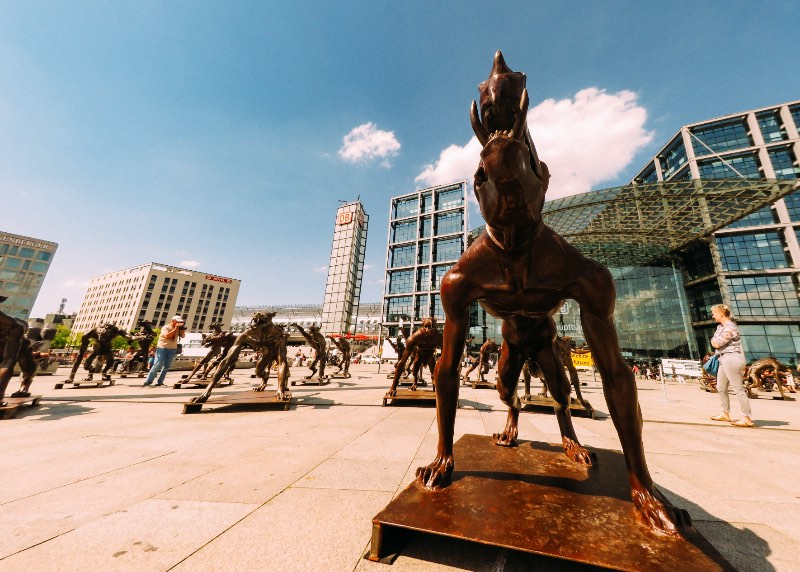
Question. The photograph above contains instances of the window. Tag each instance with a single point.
(758, 218)
(447, 249)
(764, 296)
(26, 252)
(752, 251)
(701, 297)
(673, 158)
(425, 227)
(427, 203)
(449, 198)
(401, 282)
(746, 165)
(438, 273)
(793, 206)
(424, 252)
(397, 308)
(771, 126)
(424, 279)
(404, 231)
(784, 163)
(403, 255)
(405, 208)
(422, 308)
(721, 136)
(448, 223)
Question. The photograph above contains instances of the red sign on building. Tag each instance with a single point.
(218, 279)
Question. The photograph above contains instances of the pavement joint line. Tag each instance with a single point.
(416, 453)
(90, 478)
(283, 490)
(37, 544)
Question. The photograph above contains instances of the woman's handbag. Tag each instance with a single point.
(712, 365)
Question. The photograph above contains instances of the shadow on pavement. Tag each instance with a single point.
(54, 411)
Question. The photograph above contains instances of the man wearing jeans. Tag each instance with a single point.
(166, 349)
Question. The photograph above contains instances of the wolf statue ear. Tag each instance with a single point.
(545, 176)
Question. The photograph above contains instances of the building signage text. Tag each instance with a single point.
(218, 279)
(25, 242)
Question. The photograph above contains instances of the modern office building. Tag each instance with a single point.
(345, 269)
(156, 292)
(752, 265)
(713, 218)
(427, 235)
(24, 262)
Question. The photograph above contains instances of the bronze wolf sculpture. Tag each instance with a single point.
(269, 341)
(521, 271)
(103, 336)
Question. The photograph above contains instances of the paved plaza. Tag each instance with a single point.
(116, 478)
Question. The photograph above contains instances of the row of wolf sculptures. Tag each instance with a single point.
(520, 271)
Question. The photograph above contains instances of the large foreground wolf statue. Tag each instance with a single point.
(521, 271)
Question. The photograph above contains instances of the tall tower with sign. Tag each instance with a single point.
(343, 289)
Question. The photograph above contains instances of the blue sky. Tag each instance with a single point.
(212, 135)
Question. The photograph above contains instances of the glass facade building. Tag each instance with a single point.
(753, 264)
(427, 235)
(24, 262)
(345, 270)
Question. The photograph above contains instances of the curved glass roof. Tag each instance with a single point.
(638, 223)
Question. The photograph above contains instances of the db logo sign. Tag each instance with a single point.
(344, 218)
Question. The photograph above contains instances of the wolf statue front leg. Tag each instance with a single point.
(596, 298)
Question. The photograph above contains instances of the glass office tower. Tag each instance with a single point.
(427, 235)
(752, 265)
(23, 265)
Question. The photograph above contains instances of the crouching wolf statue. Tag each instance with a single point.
(521, 271)
(269, 341)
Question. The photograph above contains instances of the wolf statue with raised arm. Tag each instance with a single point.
(521, 272)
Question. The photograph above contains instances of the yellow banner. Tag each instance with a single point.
(583, 359)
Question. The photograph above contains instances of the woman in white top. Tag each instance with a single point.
(728, 344)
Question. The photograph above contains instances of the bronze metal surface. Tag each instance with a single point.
(14, 404)
(252, 399)
(483, 385)
(547, 404)
(418, 398)
(532, 498)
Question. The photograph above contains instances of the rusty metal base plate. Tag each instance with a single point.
(483, 385)
(418, 398)
(14, 404)
(262, 400)
(200, 383)
(532, 498)
(547, 404)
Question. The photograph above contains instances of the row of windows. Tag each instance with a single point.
(402, 281)
(721, 137)
(746, 166)
(417, 308)
(412, 206)
(764, 296)
(446, 223)
(14, 263)
(752, 251)
(444, 250)
(673, 158)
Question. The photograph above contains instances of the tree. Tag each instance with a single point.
(62, 338)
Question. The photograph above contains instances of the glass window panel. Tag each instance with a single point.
(449, 223)
(746, 165)
(752, 251)
(784, 163)
(673, 158)
(26, 252)
(427, 203)
(771, 126)
(764, 296)
(401, 282)
(449, 198)
(424, 252)
(406, 207)
(425, 229)
(758, 218)
(447, 249)
(405, 231)
(403, 255)
(721, 136)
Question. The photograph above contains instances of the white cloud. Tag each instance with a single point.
(189, 263)
(585, 141)
(321, 269)
(366, 143)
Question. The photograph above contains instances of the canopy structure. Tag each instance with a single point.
(638, 223)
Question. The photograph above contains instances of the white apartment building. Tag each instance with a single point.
(156, 292)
